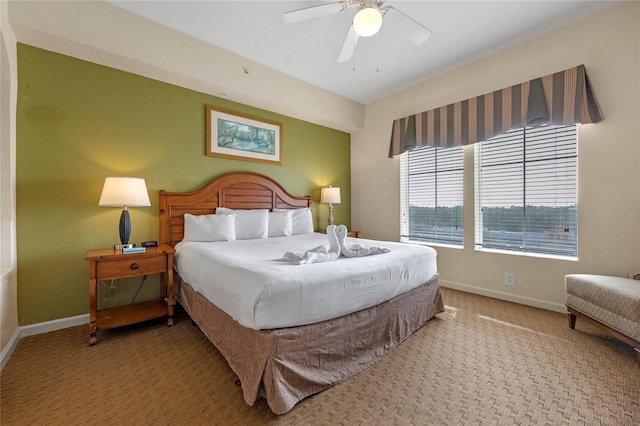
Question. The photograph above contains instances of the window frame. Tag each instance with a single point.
(474, 184)
(561, 244)
(454, 166)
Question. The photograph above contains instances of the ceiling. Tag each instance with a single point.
(462, 32)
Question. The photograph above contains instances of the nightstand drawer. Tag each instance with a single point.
(112, 269)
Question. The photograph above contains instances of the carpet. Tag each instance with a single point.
(482, 362)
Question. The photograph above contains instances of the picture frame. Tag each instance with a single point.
(238, 136)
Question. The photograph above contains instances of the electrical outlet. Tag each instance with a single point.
(509, 278)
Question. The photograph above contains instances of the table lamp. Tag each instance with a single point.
(124, 192)
(330, 195)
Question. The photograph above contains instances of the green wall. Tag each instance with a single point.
(78, 122)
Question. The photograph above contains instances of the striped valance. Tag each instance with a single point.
(565, 97)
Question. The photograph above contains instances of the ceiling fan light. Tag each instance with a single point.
(367, 22)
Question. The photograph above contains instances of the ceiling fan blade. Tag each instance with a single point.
(314, 11)
(416, 32)
(348, 46)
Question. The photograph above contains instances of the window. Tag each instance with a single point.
(431, 195)
(526, 191)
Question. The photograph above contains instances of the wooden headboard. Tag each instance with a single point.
(238, 190)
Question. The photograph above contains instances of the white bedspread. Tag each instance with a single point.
(248, 281)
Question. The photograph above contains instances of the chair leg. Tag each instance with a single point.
(572, 320)
(573, 314)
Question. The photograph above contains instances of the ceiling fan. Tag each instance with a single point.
(366, 22)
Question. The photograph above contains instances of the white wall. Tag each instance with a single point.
(8, 282)
(608, 170)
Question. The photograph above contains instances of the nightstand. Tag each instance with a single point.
(352, 234)
(108, 264)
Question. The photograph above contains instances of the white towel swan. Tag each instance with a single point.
(337, 246)
(355, 250)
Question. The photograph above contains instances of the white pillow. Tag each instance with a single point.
(249, 224)
(209, 227)
(302, 220)
(280, 224)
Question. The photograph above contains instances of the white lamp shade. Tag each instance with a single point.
(124, 191)
(330, 195)
(367, 22)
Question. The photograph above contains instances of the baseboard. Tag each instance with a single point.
(47, 326)
(42, 327)
(537, 303)
(9, 348)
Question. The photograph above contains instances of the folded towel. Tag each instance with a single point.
(317, 254)
(300, 258)
(337, 246)
(355, 250)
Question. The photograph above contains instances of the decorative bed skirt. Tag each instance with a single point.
(288, 364)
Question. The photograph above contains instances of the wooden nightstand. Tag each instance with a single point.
(352, 234)
(108, 264)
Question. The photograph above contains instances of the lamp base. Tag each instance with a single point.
(330, 218)
(119, 247)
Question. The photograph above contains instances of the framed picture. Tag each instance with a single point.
(243, 137)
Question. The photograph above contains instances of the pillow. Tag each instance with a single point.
(302, 220)
(209, 227)
(249, 224)
(280, 224)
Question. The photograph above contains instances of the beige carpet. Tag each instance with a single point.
(483, 362)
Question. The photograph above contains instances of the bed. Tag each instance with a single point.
(285, 358)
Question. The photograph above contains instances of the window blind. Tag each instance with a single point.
(431, 195)
(526, 191)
